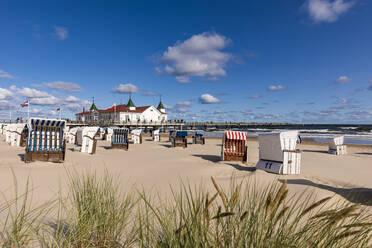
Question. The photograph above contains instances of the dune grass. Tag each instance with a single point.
(246, 214)
(251, 216)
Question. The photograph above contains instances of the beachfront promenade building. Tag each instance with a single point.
(124, 113)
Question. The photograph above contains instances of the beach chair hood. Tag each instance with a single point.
(336, 141)
(235, 135)
(272, 145)
(181, 133)
(199, 132)
(90, 131)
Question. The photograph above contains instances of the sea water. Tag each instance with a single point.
(357, 134)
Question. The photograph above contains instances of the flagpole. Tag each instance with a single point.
(28, 110)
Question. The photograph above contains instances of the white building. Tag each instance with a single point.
(128, 113)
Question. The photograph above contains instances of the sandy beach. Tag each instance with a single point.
(155, 166)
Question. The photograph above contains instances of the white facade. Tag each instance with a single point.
(146, 114)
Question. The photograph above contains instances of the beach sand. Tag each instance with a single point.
(155, 166)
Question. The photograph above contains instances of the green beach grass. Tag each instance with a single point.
(96, 214)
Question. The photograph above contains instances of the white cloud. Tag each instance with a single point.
(5, 94)
(199, 55)
(183, 104)
(76, 107)
(328, 10)
(125, 88)
(66, 86)
(60, 32)
(343, 100)
(255, 96)
(343, 80)
(208, 99)
(72, 99)
(149, 93)
(183, 79)
(4, 74)
(275, 88)
(29, 93)
(45, 101)
(5, 105)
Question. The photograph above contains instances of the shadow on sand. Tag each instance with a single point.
(167, 145)
(317, 151)
(211, 158)
(215, 159)
(355, 195)
(242, 168)
(21, 156)
(364, 153)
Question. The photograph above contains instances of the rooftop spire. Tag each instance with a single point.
(93, 107)
(161, 105)
(130, 102)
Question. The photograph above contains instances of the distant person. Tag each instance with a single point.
(299, 140)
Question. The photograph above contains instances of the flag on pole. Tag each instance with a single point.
(25, 104)
(58, 109)
(112, 108)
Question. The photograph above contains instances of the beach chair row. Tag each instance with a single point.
(45, 140)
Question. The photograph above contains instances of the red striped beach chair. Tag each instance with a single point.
(234, 146)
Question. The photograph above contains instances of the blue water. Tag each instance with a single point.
(321, 136)
(347, 141)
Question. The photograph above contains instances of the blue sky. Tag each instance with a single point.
(262, 61)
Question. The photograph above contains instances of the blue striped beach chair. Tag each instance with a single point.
(120, 139)
(45, 140)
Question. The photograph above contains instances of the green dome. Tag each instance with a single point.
(93, 107)
(161, 106)
(130, 103)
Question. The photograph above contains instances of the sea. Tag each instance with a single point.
(354, 134)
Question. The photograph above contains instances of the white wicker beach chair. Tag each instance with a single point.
(336, 145)
(89, 143)
(137, 136)
(278, 153)
(156, 135)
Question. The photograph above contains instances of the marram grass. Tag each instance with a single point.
(246, 214)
